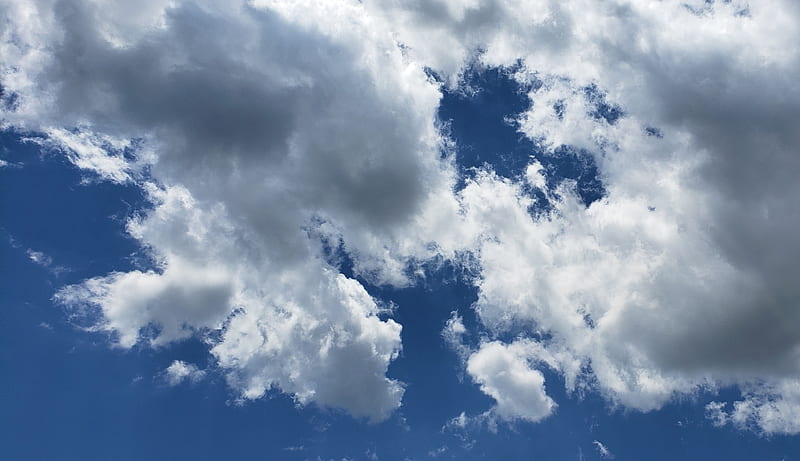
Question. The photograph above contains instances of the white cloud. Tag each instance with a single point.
(453, 334)
(180, 371)
(102, 155)
(655, 286)
(435, 453)
(605, 453)
(459, 422)
(505, 375)
(45, 261)
(715, 412)
(260, 145)
(766, 409)
(39, 258)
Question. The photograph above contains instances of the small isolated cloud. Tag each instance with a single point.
(436, 452)
(508, 378)
(39, 258)
(458, 423)
(605, 453)
(45, 261)
(453, 335)
(7, 164)
(180, 371)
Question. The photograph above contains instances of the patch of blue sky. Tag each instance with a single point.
(481, 121)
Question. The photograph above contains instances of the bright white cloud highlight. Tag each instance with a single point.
(179, 371)
(506, 376)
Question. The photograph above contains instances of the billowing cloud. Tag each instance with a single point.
(266, 139)
(681, 277)
(271, 131)
(506, 376)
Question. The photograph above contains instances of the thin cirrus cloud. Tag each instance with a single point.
(295, 127)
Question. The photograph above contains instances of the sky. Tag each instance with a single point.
(379, 230)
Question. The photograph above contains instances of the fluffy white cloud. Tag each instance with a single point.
(682, 277)
(505, 375)
(180, 371)
(267, 131)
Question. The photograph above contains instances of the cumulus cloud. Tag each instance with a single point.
(681, 277)
(506, 376)
(180, 371)
(262, 148)
(273, 130)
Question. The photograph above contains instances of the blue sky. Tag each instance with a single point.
(481, 252)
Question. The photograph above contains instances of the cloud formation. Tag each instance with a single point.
(179, 371)
(505, 375)
(681, 277)
(605, 453)
(271, 130)
(262, 147)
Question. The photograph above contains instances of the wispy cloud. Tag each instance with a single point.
(605, 453)
(41, 259)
